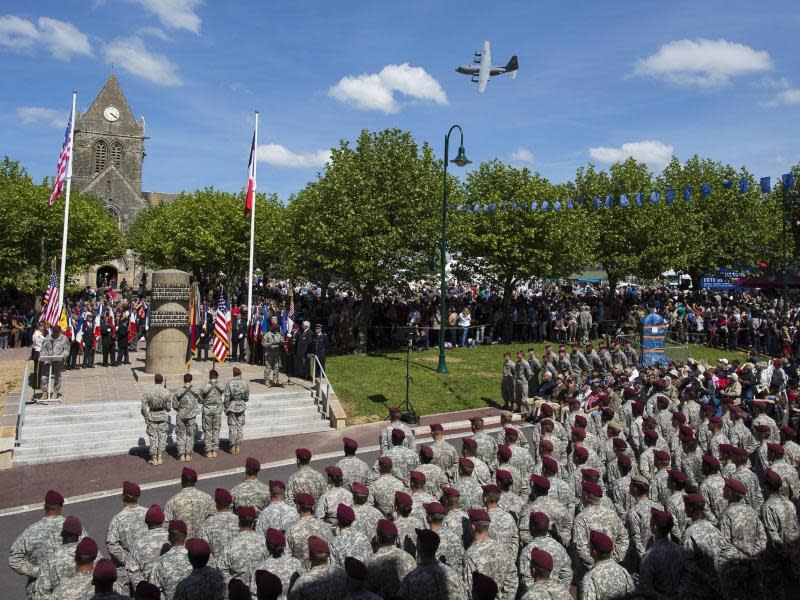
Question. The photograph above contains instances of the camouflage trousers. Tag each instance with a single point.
(235, 428)
(520, 393)
(272, 365)
(157, 433)
(184, 431)
(211, 426)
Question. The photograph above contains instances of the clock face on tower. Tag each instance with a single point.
(111, 113)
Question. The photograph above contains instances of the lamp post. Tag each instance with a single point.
(461, 160)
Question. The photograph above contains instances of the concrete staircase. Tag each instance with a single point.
(60, 432)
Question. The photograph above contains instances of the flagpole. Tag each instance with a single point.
(66, 207)
(252, 228)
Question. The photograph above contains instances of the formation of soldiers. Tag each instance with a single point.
(210, 402)
(651, 496)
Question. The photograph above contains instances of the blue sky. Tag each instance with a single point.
(598, 81)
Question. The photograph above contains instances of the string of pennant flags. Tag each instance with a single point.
(624, 200)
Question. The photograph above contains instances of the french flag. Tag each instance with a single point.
(251, 179)
(98, 316)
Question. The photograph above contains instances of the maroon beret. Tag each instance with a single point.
(317, 545)
(511, 432)
(304, 499)
(223, 497)
(580, 421)
(131, 489)
(541, 559)
(735, 485)
(436, 427)
(661, 518)
(398, 434)
(154, 515)
(706, 409)
(686, 430)
(53, 498)
(71, 526)
(637, 407)
(104, 571)
(600, 541)
(773, 478)
(539, 518)
(546, 409)
(197, 547)
(252, 464)
(483, 586)
(503, 475)
(679, 417)
(590, 474)
(387, 528)
(547, 423)
(629, 392)
(333, 471)
(581, 452)
(189, 473)
(540, 482)
(417, 477)
(491, 488)
(426, 451)
(87, 547)
(694, 500)
(661, 455)
(619, 443)
(350, 443)
(359, 489)
(466, 463)
(476, 419)
(650, 421)
(550, 464)
(477, 515)
(579, 433)
(651, 434)
(177, 526)
(302, 453)
(737, 452)
(247, 512)
(275, 537)
(762, 428)
(608, 413)
(268, 584)
(427, 537)
(434, 508)
(470, 443)
(146, 591)
(238, 590)
(711, 461)
(402, 499)
(788, 431)
(574, 402)
(677, 475)
(725, 448)
(276, 483)
(450, 491)
(726, 400)
(624, 460)
(385, 461)
(395, 411)
(546, 445)
(592, 489)
(355, 569)
(775, 448)
(715, 420)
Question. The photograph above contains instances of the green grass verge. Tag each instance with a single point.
(367, 385)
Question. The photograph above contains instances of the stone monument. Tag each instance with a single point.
(168, 335)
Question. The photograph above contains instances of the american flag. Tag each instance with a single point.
(222, 325)
(63, 163)
(290, 315)
(50, 307)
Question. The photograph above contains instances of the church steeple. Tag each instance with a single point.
(110, 109)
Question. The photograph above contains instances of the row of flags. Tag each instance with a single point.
(623, 200)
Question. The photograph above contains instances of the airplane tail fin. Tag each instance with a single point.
(512, 67)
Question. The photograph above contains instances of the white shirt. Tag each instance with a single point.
(38, 338)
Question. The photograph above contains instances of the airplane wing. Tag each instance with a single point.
(485, 67)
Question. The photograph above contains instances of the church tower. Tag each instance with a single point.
(109, 150)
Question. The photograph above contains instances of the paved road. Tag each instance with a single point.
(95, 514)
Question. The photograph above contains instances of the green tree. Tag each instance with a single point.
(507, 247)
(371, 217)
(31, 231)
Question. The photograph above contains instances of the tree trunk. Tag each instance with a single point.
(613, 280)
(364, 318)
(508, 321)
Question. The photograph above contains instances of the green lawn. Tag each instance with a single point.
(367, 385)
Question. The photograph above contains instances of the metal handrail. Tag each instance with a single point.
(328, 388)
(21, 410)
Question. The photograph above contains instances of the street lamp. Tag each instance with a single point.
(462, 161)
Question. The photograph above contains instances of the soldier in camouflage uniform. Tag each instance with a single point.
(480, 470)
(419, 497)
(539, 526)
(384, 488)
(390, 564)
(184, 402)
(272, 343)
(489, 557)
(561, 524)
(234, 399)
(406, 523)
(506, 418)
(541, 585)
(60, 564)
(220, 528)
(79, 586)
(204, 581)
(353, 468)
(211, 401)
(487, 445)
(456, 518)
(38, 541)
(172, 566)
(147, 548)
(451, 548)
(323, 579)
(503, 527)
(431, 579)
(753, 498)
(190, 505)
(782, 558)
(54, 351)
(444, 455)
(509, 500)
(385, 437)
(286, 567)
(251, 492)
(705, 552)
(306, 526)
(435, 477)
(471, 493)
(125, 528)
(244, 551)
(606, 578)
(156, 403)
(278, 514)
(305, 479)
(661, 569)
(331, 498)
(595, 517)
(404, 459)
(367, 516)
(349, 541)
(637, 521)
(712, 488)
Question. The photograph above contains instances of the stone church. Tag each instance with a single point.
(108, 159)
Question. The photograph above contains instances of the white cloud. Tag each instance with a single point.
(175, 14)
(37, 114)
(704, 63)
(786, 97)
(131, 55)
(522, 155)
(652, 152)
(375, 91)
(153, 32)
(61, 38)
(280, 156)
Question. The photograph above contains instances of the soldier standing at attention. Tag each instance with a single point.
(60, 565)
(305, 479)
(173, 566)
(146, 549)
(126, 527)
(219, 528)
(211, 400)
(185, 404)
(190, 505)
(395, 422)
(522, 376)
(38, 541)
(155, 410)
(235, 398)
(55, 350)
(80, 584)
(319, 344)
(251, 492)
(203, 581)
(272, 342)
